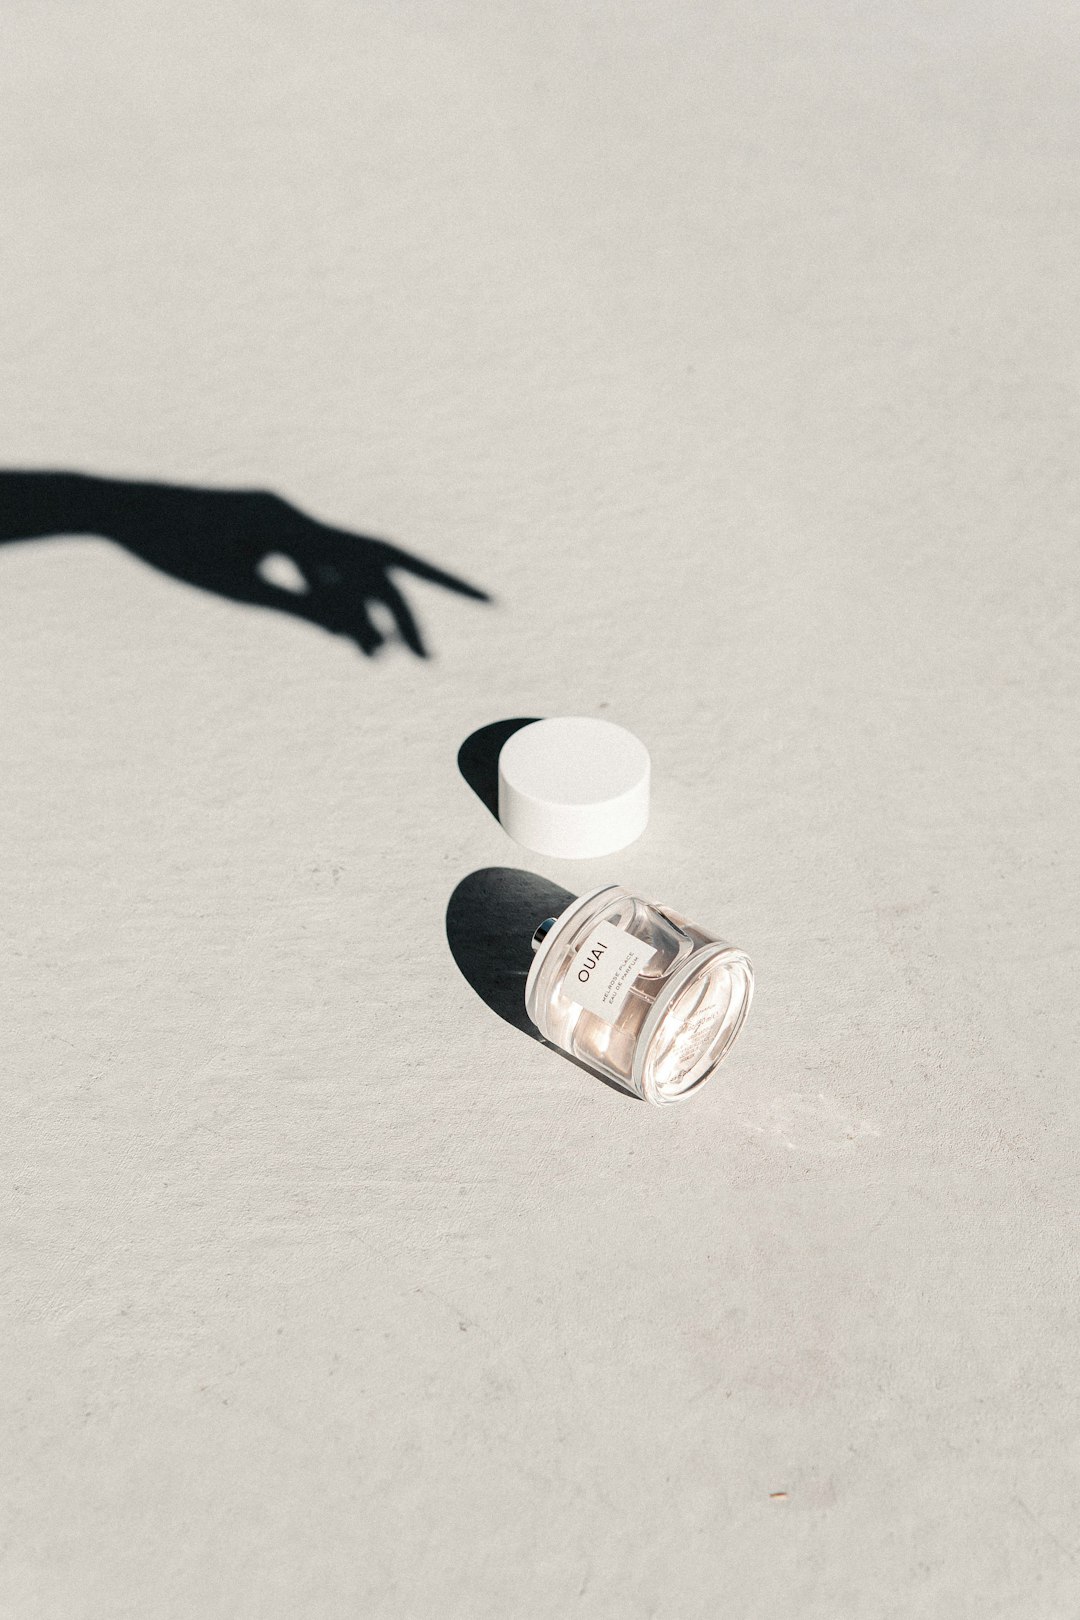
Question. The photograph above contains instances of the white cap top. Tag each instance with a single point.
(574, 787)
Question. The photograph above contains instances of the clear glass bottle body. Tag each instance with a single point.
(637, 993)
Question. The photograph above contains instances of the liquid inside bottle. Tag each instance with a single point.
(638, 993)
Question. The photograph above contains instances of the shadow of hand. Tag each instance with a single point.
(248, 545)
(340, 576)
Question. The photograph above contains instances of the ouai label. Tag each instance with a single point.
(603, 971)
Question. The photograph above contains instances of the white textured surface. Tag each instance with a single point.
(738, 344)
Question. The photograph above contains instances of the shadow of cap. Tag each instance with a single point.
(478, 758)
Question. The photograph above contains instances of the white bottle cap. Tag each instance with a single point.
(574, 787)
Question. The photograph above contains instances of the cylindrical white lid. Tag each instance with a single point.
(574, 787)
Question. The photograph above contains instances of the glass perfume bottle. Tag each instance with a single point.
(637, 993)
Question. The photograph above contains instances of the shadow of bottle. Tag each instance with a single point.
(490, 920)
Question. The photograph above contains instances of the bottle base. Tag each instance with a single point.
(688, 1033)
